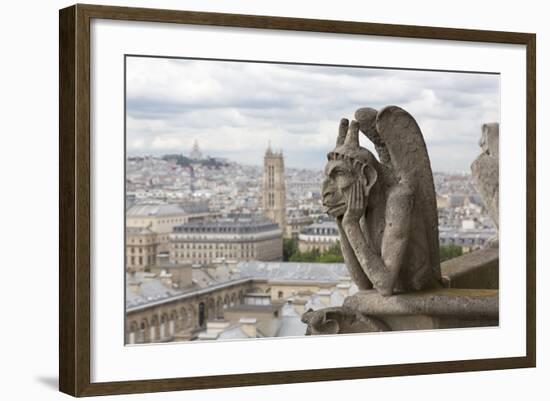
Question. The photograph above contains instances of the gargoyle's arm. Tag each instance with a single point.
(355, 270)
(395, 241)
(383, 270)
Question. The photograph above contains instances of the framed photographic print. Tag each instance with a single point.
(250, 200)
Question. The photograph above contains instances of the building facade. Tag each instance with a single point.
(295, 223)
(162, 218)
(176, 317)
(273, 188)
(169, 304)
(321, 236)
(468, 240)
(141, 248)
(231, 239)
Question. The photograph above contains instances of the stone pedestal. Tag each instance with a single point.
(368, 311)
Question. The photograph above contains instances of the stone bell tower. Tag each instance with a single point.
(273, 187)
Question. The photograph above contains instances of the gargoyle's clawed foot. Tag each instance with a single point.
(340, 320)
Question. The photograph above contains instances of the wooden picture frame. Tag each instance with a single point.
(75, 207)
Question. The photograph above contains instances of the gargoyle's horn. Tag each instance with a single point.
(342, 131)
(352, 138)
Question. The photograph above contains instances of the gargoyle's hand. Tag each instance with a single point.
(356, 203)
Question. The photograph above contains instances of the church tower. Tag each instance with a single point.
(195, 153)
(273, 187)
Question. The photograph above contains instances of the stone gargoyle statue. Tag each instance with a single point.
(385, 209)
(485, 170)
(387, 218)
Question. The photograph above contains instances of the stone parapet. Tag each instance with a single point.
(446, 302)
(475, 270)
(368, 311)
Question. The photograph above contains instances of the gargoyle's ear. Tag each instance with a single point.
(372, 175)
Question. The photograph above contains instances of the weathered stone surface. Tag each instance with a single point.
(368, 311)
(478, 269)
(444, 302)
(387, 217)
(485, 171)
(340, 320)
(386, 211)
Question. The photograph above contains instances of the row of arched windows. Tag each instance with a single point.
(163, 327)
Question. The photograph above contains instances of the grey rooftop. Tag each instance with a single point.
(228, 225)
(293, 271)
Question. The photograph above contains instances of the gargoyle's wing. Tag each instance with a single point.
(402, 138)
(401, 148)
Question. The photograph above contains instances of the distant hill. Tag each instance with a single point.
(184, 161)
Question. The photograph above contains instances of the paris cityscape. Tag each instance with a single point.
(219, 250)
(226, 235)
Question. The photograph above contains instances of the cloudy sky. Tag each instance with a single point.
(234, 109)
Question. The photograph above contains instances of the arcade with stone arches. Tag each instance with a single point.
(182, 318)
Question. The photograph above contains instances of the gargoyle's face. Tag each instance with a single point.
(339, 176)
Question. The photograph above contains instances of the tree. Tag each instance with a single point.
(289, 248)
(450, 251)
(332, 255)
(308, 256)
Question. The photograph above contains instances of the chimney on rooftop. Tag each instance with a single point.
(248, 326)
(344, 279)
(166, 278)
(343, 289)
(135, 287)
(324, 296)
(162, 258)
(299, 305)
(216, 327)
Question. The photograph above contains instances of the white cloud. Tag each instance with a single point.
(235, 108)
